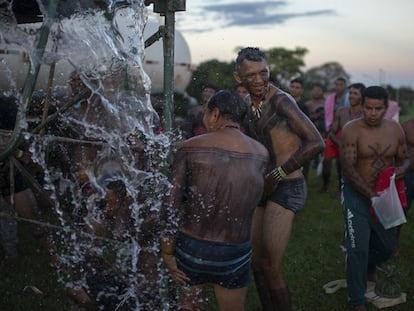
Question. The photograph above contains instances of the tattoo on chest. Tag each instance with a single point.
(378, 162)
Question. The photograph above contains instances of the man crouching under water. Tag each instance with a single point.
(217, 181)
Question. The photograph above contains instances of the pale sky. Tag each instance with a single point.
(372, 39)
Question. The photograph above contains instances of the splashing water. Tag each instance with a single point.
(101, 160)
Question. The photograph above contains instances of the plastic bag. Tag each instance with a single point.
(387, 206)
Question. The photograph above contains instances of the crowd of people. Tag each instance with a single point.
(347, 127)
(239, 177)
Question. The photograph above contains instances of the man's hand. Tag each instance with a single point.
(399, 172)
(176, 274)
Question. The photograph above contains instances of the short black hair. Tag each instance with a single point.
(230, 104)
(297, 80)
(360, 86)
(376, 92)
(249, 53)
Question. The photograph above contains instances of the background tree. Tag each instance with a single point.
(212, 71)
(285, 64)
(325, 74)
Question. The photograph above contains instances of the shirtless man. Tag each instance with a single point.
(370, 144)
(194, 120)
(316, 108)
(221, 176)
(345, 114)
(333, 102)
(291, 139)
(408, 127)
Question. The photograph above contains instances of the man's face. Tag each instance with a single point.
(254, 76)
(340, 86)
(317, 92)
(355, 97)
(374, 111)
(206, 94)
(296, 90)
(242, 91)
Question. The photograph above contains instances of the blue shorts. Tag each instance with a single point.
(225, 264)
(290, 194)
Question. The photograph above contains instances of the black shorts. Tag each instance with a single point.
(290, 194)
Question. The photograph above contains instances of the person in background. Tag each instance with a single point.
(344, 115)
(333, 102)
(241, 90)
(217, 181)
(275, 120)
(316, 108)
(195, 114)
(369, 145)
(296, 90)
(408, 127)
(393, 111)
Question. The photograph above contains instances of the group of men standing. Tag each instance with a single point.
(208, 239)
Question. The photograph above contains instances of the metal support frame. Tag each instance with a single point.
(167, 8)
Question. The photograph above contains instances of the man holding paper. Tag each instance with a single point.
(369, 145)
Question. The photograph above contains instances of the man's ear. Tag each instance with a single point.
(236, 77)
(215, 114)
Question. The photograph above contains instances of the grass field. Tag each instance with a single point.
(312, 259)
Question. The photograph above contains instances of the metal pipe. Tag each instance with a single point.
(30, 83)
(169, 69)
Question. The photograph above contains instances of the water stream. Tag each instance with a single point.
(101, 160)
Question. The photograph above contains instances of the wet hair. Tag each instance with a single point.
(230, 104)
(251, 54)
(359, 86)
(375, 92)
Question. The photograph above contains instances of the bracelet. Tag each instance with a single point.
(278, 173)
(282, 171)
(19, 154)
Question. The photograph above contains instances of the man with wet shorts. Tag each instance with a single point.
(217, 181)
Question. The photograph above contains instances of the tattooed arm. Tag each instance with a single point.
(310, 141)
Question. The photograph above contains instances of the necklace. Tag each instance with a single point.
(232, 126)
(257, 111)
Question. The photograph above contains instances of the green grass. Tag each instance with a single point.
(312, 259)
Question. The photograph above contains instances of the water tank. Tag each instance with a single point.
(14, 64)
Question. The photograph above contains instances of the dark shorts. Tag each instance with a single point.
(225, 264)
(290, 194)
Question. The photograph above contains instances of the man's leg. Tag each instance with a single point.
(257, 258)
(358, 231)
(192, 298)
(277, 227)
(230, 299)
(326, 174)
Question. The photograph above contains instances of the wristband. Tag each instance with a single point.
(278, 173)
(282, 171)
